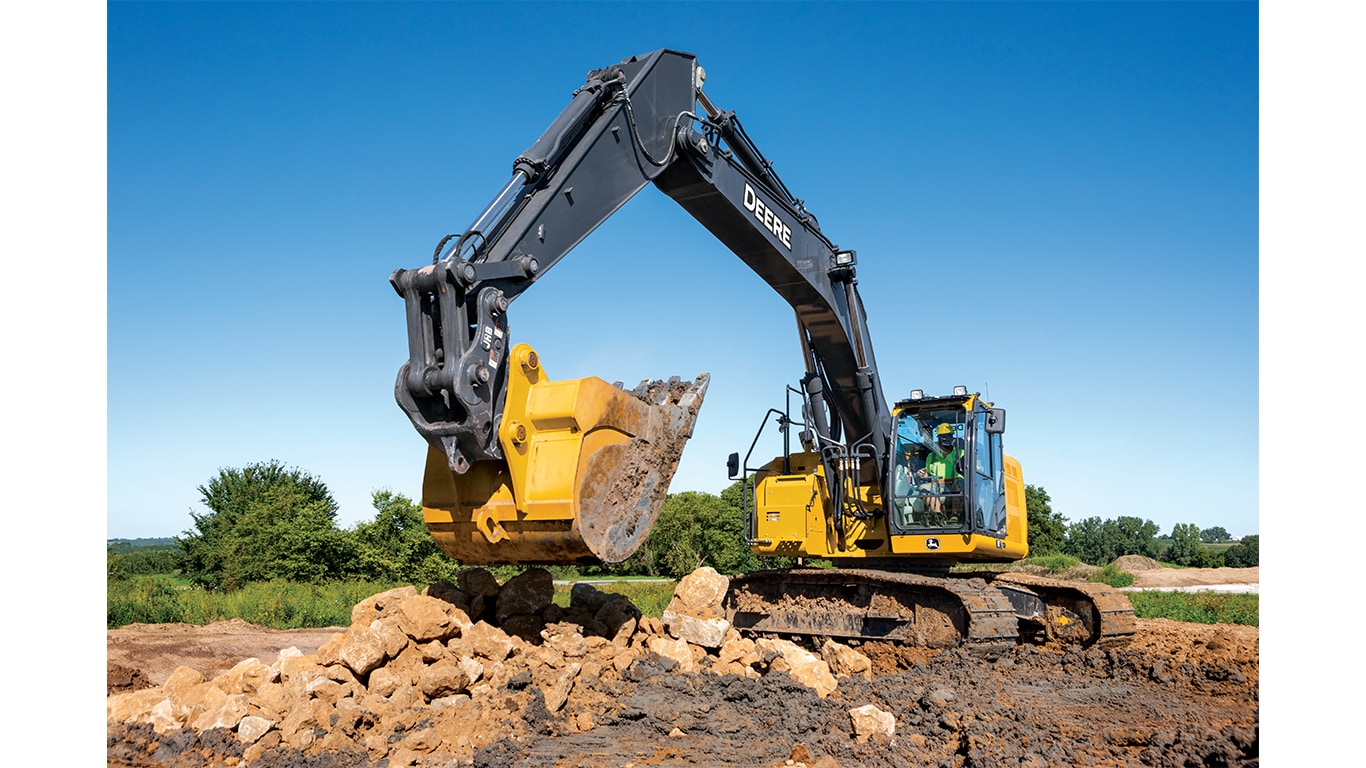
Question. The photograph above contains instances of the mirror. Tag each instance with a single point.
(733, 465)
(996, 421)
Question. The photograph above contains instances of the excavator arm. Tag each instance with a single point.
(526, 470)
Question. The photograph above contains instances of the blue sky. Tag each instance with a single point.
(1074, 185)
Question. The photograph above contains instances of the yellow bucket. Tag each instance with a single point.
(585, 471)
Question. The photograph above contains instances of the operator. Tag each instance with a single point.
(941, 466)
(940, 470)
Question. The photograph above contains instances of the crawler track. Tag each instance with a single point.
(1077, 611)
(985, 614)
(874, 605)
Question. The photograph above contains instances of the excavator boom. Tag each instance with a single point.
(506, 435)
(523, 469)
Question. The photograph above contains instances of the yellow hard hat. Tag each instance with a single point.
(944, 429)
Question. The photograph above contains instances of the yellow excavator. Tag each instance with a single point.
(524, 469)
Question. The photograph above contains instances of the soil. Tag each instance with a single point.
(1161, 577)
(1175, 694)
(144, 655)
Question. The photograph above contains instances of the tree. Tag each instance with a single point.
(396, 545)
(1243, 554)
(1091, 541)
(1186, 548)
(1047, 529)
(693, 529)
(735, 498)
(1136, 536)
(1099, 542)
(141, 562)
(1215, 535)
(266, 521)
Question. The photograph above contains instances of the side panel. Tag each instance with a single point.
(794, 518)
(1017, 517)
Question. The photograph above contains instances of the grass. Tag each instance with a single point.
(165, 599)
(651, 597)
(160, 599)
(1197, 607)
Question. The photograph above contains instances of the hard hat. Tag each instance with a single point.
(944, 429)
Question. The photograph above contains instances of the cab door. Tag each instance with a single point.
(987, 495)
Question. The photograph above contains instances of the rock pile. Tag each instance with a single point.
(429, 678)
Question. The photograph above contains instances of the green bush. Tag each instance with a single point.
(1244, 554)
(144, 600)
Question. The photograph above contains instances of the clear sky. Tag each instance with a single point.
(1073, 186)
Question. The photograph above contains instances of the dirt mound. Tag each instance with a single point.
(1195, 577)
(156, 650)
(1132, 563)
(122, 679)
(495, 675)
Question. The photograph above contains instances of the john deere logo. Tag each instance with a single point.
(931, 543)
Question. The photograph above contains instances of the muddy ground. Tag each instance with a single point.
(1175, 695)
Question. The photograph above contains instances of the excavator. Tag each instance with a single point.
(523, 469)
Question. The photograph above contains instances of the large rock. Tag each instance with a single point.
(802, 665)
(426, 618)
(226, 715)
(674, 650)
(444, 590)
(738, 650)
(526, 626)
(708, 633)
(149, 705)
(273, 700)
(443, 679)
(586, 596)
(361, 649)
(556, 689)
(488, 641)
(846, 661)
(700, 594)
(481, 591)
(384, 681)
(473, 669)
(378, 606)
(247, 676)
(527, 593)
(868, 721)
(619, 619)
(183, 677)
(253, 727)
(298, 670)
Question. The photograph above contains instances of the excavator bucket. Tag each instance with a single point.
(585, 471)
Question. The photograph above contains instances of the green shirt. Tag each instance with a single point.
(941, 466)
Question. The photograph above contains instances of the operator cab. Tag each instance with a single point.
(947, 466)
